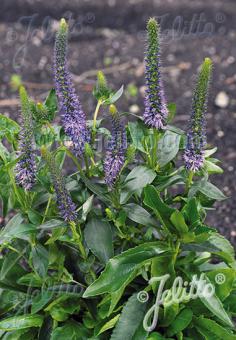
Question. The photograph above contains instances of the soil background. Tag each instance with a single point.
(110, 35)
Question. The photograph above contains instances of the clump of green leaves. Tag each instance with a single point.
(81, 277)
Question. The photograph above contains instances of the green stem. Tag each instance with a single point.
(99, 103)
(189, 181)
(86, 165)
(77, 238)
(47, 208)
(154, 154)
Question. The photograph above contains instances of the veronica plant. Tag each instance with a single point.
(112, 244)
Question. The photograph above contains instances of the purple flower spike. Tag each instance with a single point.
(156, 113)
(65, 205)
(25, 169)
(115, 154)
(74, 120)
(196, 136)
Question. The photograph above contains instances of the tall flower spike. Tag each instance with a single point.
(74, 121)
(196, 135)
(26, 168)
(66, 207)
(155, 114)
(115, 154)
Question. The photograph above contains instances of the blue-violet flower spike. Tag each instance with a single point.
(66, 207)
(156, 113)
(115, 154)
(196, 135)
(25, 169)
(74, 120)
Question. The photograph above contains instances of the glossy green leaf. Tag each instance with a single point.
(136, 180)
(120, 268)
(40, 260)
(181, 322)
(178, 221)
(131, 317)
(70, 330)
(212, 330)
(138, 214)
(168, 147)
(98, 237)
(21, 322)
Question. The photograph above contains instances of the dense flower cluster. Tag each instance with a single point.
(156, 112)
(115, 154)
(74, 121)
(66, 207)
(26, 168)
(196, 136)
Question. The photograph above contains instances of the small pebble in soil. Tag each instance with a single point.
(220, 134)
(222, 100)
(134, 108)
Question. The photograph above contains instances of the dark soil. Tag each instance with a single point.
(109, 34)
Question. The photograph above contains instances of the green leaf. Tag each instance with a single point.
(86, 208)
(212, 168)
(121, 267)
(211, 330)
(168, 147)
(52, 224)
(225, 249)
(208, 189)
(181, 322)
(172, 111)
(41, 300)
(51, 104)
(15, 229)
(8, 128)
(21, 322)
(114, 97)
(40, 260)
(137, 132)
(70, 330)
(178, 221)
(65, 305)
(11, 225)
(136, 180)
(210, 152)
(214, 304)
(223, 287)
(109, 324)
(98, 237)
(153, 200)
(190, 212)
(130, 319)
(138, 214)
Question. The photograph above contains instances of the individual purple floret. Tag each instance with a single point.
(196, 136)
(74, 120)
(115, 154)
(155, 114)
(25, 169)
